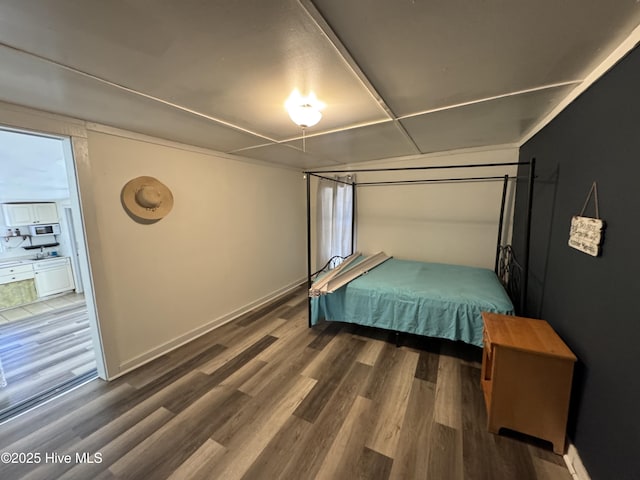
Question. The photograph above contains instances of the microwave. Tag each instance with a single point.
(50, 229)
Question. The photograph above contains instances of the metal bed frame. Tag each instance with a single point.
(513, 275)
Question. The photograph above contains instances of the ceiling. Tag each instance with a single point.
(398, 78)
(32, 168)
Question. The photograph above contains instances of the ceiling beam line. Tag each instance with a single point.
(433, 110)
(614, 57)
(136, 92)
(335, 130)
(489, 99)
(325, 158)
(344, 53)
(348, 59)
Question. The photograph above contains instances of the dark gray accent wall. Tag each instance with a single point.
(593, 303)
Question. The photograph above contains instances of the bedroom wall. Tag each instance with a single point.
(591, 302)
(448, 223)
(235, 237)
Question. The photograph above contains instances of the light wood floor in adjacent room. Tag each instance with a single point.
(265, 397)
(45, 345)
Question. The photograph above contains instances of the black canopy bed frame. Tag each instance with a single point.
(512, 274)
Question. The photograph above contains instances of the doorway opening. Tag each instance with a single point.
(49, 338)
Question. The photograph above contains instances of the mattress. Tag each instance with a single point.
(430, 299)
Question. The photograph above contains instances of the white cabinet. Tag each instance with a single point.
(19, 214)
(45, 213)
(53, 276)
(15, 273)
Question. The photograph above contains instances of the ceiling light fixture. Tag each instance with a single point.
(304, 111)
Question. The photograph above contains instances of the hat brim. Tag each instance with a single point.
(137, 211)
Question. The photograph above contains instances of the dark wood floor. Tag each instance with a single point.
(44, 351)
(265, 397)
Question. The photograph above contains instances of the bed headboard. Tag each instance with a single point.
(510, 273)
(332, 263)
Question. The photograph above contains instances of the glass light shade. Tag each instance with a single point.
(305, 115)
(304, 111)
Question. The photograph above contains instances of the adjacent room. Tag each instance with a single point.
(311, 239)
(45, 326)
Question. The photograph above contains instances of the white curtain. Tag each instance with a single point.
(334, 219)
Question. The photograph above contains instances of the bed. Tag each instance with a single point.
(430, 299)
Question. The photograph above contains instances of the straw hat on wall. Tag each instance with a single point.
(146, 199)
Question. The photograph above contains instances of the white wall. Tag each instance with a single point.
(235, 236)
(448, 223)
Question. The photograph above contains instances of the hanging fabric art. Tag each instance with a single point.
(586, 233)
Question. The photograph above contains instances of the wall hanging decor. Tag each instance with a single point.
(146, 199)
(586, 233)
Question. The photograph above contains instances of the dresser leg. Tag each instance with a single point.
(558, 445)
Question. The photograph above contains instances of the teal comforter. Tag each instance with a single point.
(431, 299)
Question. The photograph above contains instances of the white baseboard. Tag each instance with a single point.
(146, 357)
(575, 465)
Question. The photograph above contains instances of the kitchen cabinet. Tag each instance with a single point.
(526, 377)
(15, 273)
(21, 214)
(53, 276)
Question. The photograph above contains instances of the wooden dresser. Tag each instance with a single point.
(526, 377)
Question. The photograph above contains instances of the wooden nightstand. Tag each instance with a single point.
(526, 377)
